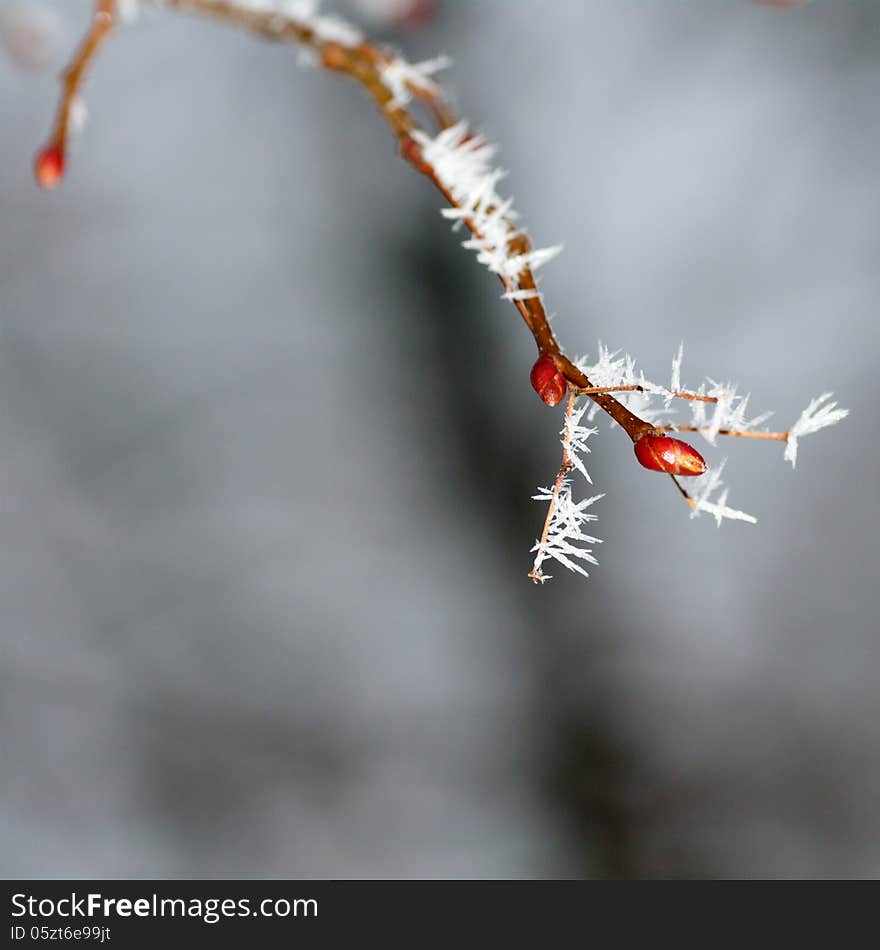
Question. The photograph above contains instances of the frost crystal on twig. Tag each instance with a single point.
(333, 29)
(401, 77)
(565, 531)
(462, 162)
(729, 412)
(327, 28)
(819, 414)
(576, 436)
(563, 537)
(701, 500)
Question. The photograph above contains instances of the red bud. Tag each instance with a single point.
(547, 381)
(660, 453)
(49, 167)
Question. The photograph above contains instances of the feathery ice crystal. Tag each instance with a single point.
(819, 414)
(402, 77)
(462, 161)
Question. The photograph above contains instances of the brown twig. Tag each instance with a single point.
(640, 389)
(695, 397)
(594, 390)
(684, 493)
(736, 433)
(103, 21)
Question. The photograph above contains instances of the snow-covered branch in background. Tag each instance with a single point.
(461, 165)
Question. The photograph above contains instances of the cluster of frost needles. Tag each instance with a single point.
(462, 162)
(564, 539)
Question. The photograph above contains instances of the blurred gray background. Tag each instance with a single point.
(267, 445)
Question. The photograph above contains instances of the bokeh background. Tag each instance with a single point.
(267, 445)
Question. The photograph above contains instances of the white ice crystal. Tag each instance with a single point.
(400, 76)
(675, 378)
(462, 163)
(333, 29)
(79, 115)
(565, 534)
(702, 498)
(528, 294)
(574, 438)
(565, 537)
(819, 414)
(728, 413)
(328, 28)
(612, 369)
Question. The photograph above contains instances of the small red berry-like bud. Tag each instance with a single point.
(547, 381)
(49, 167)
(660, 453)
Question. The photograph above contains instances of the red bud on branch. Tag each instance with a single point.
(547, 381)
(660, 453)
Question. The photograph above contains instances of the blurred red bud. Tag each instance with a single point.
(49, 167)
(416, 13)
(660, 453)
(406, 14)
(547, 381)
